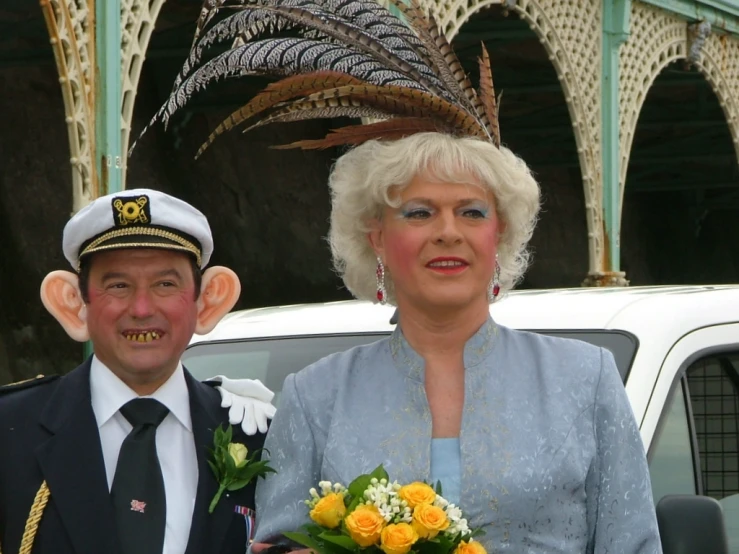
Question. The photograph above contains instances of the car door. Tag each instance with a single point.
(695, 413)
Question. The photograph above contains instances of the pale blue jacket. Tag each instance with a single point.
(552, 459)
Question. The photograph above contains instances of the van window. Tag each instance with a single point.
(714, 397)
(699, 435)
(272, 359)
(671, 462)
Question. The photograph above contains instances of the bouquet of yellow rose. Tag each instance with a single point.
(374, 515)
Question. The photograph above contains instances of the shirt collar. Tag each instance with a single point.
(108, 394)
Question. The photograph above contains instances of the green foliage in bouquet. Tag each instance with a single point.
(374, 516)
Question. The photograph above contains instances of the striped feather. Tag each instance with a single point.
(280, 57)
(337, 108)
(487, 97)
(357, 38)
(358, 134)
(275, 93)
(350, 58)
(403, 101)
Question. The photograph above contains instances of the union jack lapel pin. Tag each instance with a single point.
(138, 506)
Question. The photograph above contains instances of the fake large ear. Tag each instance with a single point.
(219, 293)
(60, 293)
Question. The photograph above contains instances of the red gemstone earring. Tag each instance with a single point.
(380, 274)
(494, 287)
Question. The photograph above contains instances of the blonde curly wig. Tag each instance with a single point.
(360, 184)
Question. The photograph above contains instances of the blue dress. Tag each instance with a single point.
(446, 468)
(551, 456)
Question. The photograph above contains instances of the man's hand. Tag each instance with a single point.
(249, 403)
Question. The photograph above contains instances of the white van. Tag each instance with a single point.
(677, 349)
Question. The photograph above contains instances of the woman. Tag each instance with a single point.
(532, 436)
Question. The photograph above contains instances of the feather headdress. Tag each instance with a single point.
(343, 58)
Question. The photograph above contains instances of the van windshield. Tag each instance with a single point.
(272, 359)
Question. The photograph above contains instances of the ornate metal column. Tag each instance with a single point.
(99, 46)
(109, 158)
(615, 32)
(73, 41)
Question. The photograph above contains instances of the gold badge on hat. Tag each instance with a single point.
(129, 210)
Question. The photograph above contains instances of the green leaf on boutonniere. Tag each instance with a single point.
(231, 464)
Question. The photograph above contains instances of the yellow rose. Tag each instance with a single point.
(329, 510)
(417, 493)
(428, 520)
(238, 453)
(472, 547)
(398, 538)
(365, 525)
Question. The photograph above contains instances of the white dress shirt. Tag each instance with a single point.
(174, 440)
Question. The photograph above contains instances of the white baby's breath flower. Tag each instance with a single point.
(453, 513)
(441, 502)
(459, 526)
(326, 487)
(385, 513)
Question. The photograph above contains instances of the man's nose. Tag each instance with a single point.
(142, 304)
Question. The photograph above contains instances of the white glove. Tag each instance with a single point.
(249, 403)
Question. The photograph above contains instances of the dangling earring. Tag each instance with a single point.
(494, 286)
(380, 273)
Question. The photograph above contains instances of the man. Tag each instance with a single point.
(114, 457)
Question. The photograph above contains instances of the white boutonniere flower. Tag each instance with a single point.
(232, 466)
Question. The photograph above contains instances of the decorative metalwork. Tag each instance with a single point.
(659, 38)
(571, 35)
(719, 63)
(68, 23)
(72, 39)
(137, 18)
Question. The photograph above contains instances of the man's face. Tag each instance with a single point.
(141, 313)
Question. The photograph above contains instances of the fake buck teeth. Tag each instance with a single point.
(143, 337)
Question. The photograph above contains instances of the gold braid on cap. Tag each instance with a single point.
(343, 58)
(181, 243)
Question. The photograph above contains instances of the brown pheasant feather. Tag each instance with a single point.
(408, 102)
(487, 95)
(357, 134)
(343, 58)
(281, 91)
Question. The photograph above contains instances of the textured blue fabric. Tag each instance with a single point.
(446, 468)
(552, 459)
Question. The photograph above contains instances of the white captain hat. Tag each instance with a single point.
(137, 218)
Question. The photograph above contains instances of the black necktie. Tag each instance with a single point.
(138, 487)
